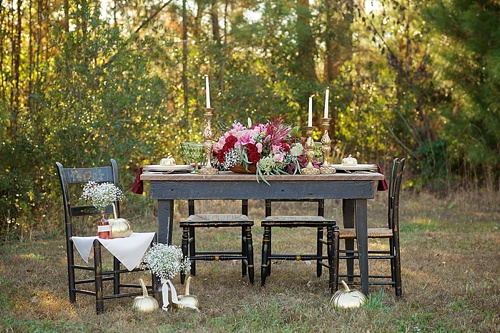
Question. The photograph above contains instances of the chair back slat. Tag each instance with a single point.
(394, 190)
(397, 191)
(88, 210)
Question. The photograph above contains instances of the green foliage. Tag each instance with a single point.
(469, 52)
(81, 83)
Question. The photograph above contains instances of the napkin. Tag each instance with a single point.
(129, 250)
(138, 186)
(382, 184)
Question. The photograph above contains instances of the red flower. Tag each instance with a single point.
(285, 146)
(254, 157)
(220, 156)
(251, 147)
(230, 141)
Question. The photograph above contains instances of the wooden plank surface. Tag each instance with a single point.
(231, 176)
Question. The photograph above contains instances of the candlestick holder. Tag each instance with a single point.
(208, 169)
(326, 148)
(309, 146)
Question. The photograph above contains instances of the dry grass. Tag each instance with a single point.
(451, 269)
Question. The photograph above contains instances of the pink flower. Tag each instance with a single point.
(219, 144)
(275, 149)
(279, 157)
(237, 127)
(245, 138)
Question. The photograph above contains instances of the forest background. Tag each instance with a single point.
(85, 81)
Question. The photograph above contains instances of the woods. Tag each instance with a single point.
(83, 81)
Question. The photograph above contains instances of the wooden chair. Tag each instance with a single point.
(79, 281)
(330, 260)
(391, 233)
(197, 221)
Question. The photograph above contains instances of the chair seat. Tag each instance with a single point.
(224, 219)
(350, 233)
(297, 221)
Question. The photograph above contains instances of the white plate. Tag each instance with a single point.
(167, 168)
(357, 167)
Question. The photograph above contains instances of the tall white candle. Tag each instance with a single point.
(326, 102)
(310, 114)
(207, 91)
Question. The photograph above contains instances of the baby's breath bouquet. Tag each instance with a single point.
(166, 261)
(101, 195)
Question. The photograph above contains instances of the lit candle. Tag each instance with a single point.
(207, 92)
(310, 115)
(326, 102)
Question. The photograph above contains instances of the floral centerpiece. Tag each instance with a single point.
(272, 148)
(166, 261)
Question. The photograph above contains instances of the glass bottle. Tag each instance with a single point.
(103, 230)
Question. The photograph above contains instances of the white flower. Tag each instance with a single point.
(101, 195)
(166, 261)
(297, 149)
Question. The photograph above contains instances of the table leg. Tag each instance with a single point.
(165, 221)
(362, 241)
(348, 211)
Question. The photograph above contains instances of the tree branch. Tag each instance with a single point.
(134, 34)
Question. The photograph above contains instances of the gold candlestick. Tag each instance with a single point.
(309, 146)
(326, 148)
(208, 169)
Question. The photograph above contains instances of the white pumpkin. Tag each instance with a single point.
(187, 300)
(167, 161)
(145, 303)
(119, 228)
(348, 298)
(349, 160)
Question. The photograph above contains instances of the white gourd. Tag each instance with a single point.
(119, 228)
(145, 303)
(349, 160)
(348, 298)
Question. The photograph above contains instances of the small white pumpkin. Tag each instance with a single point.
(187, 300)
(349, 160)
(145, 303)
(167, 161)
(119, 228)
(348, 298)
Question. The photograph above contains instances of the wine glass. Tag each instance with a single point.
(198, 154)
(193, 152)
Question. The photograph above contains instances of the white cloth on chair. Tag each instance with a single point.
(129, 250)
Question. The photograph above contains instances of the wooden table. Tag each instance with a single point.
(353, 188)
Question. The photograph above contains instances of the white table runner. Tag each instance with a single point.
(128, 250)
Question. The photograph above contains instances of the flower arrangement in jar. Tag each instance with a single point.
(102, 195)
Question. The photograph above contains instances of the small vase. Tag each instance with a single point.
(241, 169)
(103, 230)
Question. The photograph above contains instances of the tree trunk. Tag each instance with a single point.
(306, 47)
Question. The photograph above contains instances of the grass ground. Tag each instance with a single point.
(450, 259)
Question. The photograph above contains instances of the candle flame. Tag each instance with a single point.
(312, 95)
